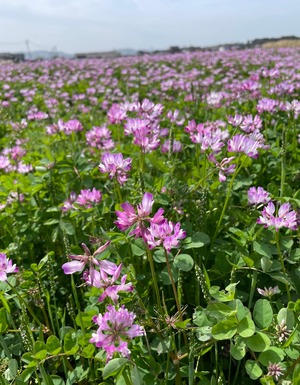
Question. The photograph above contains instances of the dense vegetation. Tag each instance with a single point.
(149, 213)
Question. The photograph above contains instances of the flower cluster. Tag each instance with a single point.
(116, 166)
(86, 199)
(156, 230)
(6, 267)
(284, 218)
(257, 196)
(116, 325)
(115, 328)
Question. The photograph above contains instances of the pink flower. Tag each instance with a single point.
(80, 261)
(115, 165)
(224, 170)
(6, 267)
(88, 198)
(257, 196)
(116, 327)
(108, 281)
(128, 217)
(68, 203)
(241, 143)
(284, 218)
(166, 233)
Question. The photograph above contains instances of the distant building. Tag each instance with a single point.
(97, 55)
(15, 57)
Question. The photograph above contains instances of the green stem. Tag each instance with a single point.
(173, 285)
(118, 191)
(252, 289)
(151, 262)
(77, 304)
(127, 377)
(282, 265)
(229, 189)
(283, 163)
(27, 306)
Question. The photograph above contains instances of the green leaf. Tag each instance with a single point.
(86, 318)
(263, 313)
(253, 369)
(164, 275)
(114, 366)
(273, 355)
(53, 345)
(246, 327)
(71, 343)
(262, 249)
(160, 257)
(67, 227)
(39, 350)
(226, 328)
(57, 380)
(3, 320)
(88, 351)
(296, 375)
(184, 262)
(196, 241)
(287, 317)
(138, 247)
(221, 295)
(238, 349)
(259, 342)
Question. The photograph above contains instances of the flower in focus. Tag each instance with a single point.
(275, 370)
(166, 233)
(285, 217)
(115, 165)
(6, 267)
(116, 327)
(107, 279)
(257, 196)
(241, 143)
(88, 198)
(80, 261)
(128, 217)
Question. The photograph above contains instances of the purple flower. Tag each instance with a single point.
(68, 203)
(241, 143)
(284, 218)
(88, 198)
(115, 165)
(268, 292)
(257, 196)
(100, 137)
(223, 167)
(6, 267)
(128, 217)
(116, 327)
(108, 281)
(275, 370)
(166, 233)
(80, 261)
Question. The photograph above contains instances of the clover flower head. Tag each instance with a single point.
(116, 329)
(6, 267)
(258, 195)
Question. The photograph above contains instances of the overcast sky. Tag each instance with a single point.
(104, 25)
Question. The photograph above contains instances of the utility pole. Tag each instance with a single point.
(28, 48)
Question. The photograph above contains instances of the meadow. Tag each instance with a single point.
(149, 216)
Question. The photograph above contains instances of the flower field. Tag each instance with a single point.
(149, 215)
